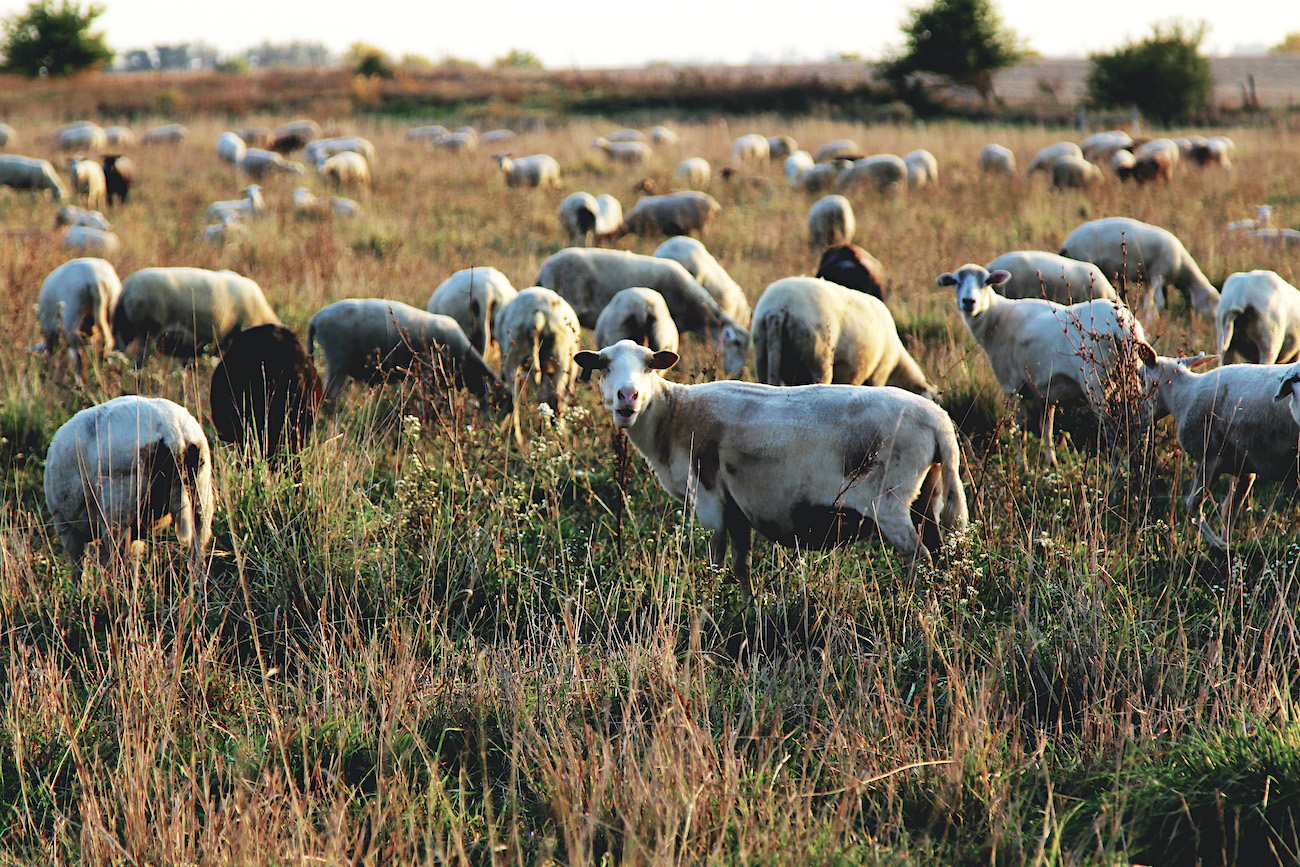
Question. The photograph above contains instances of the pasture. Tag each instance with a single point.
(428, 646)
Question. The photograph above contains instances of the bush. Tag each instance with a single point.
(1164, 75)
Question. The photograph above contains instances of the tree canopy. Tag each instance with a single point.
(1164, 75)
(52, 39)
(1290, 44)
(962, 40)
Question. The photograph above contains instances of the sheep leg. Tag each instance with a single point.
(1046, 427)
(1196, 495)
(1018, 413)
(334, 382)
(895, 523)
(1238, 490)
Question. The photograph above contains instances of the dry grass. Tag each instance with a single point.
(431, 648)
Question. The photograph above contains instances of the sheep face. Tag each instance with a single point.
(736, 346)
(1286, 389)
(627, 377)
(974, 287)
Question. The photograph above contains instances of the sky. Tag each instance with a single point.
(585, 33)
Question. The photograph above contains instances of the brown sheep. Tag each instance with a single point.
(854, 268)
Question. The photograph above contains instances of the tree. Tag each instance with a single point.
(367, 60)
(1290, 44)
(963, 40)
(50, 39)
(517, 58)
(1164, 75)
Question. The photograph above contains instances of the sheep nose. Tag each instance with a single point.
(629, 395)
(968, 304)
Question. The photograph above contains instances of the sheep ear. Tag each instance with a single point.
(1198, 360)
(1145, 352)
(590, 361)
(945, 279)
(1286, 387)
(997, 278)
(663, 359)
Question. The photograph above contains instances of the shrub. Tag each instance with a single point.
(1164, 75)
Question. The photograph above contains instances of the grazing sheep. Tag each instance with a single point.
(820, 177)
(71, 215)
(293, 136)
(87, 181)
(119, 136)
(538, 170)
(77, 299)
(588, 219)
(81, 135)
(589, 278)
(1229, 420)
(186, 310)
(700, 264)
(1136, 251)
(995, 159)
(1263, 220)
(123, 469)
(630, 152)
(87, 239)
(662, 135)
(497, 135)
(750, 149)
(679, 213)
(734, 178)
(808, 330)
(119, 175)
(853, 268)
(1280, 237)
(884, 173)
(375, 340)
(1216, 151)
(1149, 167)
(626, 135)
(1258, 317)
(345, 170)
(306, 206)
(472, 296)
(922, 168)
(426, 133)
(796, 164)
(839, 149)
(464, 141)
(257, 164)
(1122, 163)
(1043, 350)
(1160, 146)
(1073, 173)
(7, 135)
(695, 172)
(1101, 147)
(1047, 157)
(26, 173)
(231, 148)
(255, 136)
(813, 467)
(830, 222)
(229, 231)
(321, 149)
(233, 210)
(1038, 274)
(780, 146)
(640, 315)
(170, 133)
(539, 336)
(265, 391)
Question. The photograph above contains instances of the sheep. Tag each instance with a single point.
(732, 177)
(87, 239)
(1258, 317)
(497, 135)
(1280, 237)
(1039, 274)
(71, 215)
(1044, 350)
(77, 299)
(830, 222)
(751, 149)
(700, 264)
(630, 152)
(80, 136)
(321, 149)
(1122, 163)
(1073, 173)
(375, 340)
(539, 336)
(538, 170)
(344, 170)
(231, 210)
(1101, 147)
(808, 330)
(780, 146)
(186, 310)
(293, 136)
(839, 149)
(461, 141)
(265, 392)
(87, 181)
(119, 175)
(815, 466)
(626, 135)
(820, 177)
(306, 206)
(228, 231)
(588, 219)
(26, 173)
(255, 136)
(796, 164)
(1160, 146)
(679, 213)
(640, 315)
(694, 172)
(1229, 420)
(853, 268)
(258, 163)
(1127, 248)
(1263, 220)
(996, 159)
(885, 173)
(662, 135)
(230, 148)
(1045, 158)
(7, 135)
(922, 168)
(1156, 165)
(170, 133)
(426, 133)
(472, 296)
(119, 136)
(1212, 153)
(589, 278)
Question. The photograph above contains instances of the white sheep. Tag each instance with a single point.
(843, 148)
(588, 278)
(814, 466)
(539, 335)
(830, 222)
(626, 135)
(820, 177)
(1102, 146)
(630, 152)
(1258, 317)
(316, 152)
(1046, 157)
(679, 213)
(231, 148)
(306, 206)
(7, 135)
(796, 164)
(1279, 237)
(228, 231)
(694, 172)
(750, 149)
(640, 315)
(77, 300)
(233, 210)
(1074, 173)
(780, 146)
(258, 163)
(662, 135)
(71, 215)
(808, 330)
(996, 159)
(463, 141)
(884, 173)
(1263, 220)
(169, 133)
(26, 173)
(538, 170)
(88, 239)
(119, 136)
(496, 135)
(1166, 148)
(1135, 251)
(123, 469)
(1039, 274)
(700, 264)
(345, 170)
(472, 296)
(82, 135)
(88, 181)
(294, 135)
(426, 133)
(186, 310)
(1122, 163)
(1043, 350)
(922, 168)
(588, 219)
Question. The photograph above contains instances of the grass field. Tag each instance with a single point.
(431, 647)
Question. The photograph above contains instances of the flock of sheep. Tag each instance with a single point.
(808, 456)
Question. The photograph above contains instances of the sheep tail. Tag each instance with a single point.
(776, 338)
(948, 454)
(536, 332)
(1227, 320)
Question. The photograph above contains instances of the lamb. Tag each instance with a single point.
(780, 146)
(316, 152)
(640, 315)
(123, 469)
(1132, 250)
(258, 164)
(170, 133)
(839, 149)
(119, 175)
(885, 173)
(1073, 173)
(234, 210)
(700, 264)
(808, 330)
(588, 219)
(265, 392)
(1045, 158)
(1258, 317)
(589, 278)
(472, 296)
(71, 215)
(630, 152)
(679, 213)
(539, 336)
(87, 239)
(996, 159)
(922, 168)
(344, 170)
(814, 466)
(87, 181)
(751, 149)
(81, 135)
(231, 148)
(538, 170)
(375, 340)
(293, 136)
(853, 268)
(796, 164)
(1229, 420)
(830, 222)
(26, 173)
(1039, 274)
(186, 310)
(77, 299)
(695, 172)
(1044, 350)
